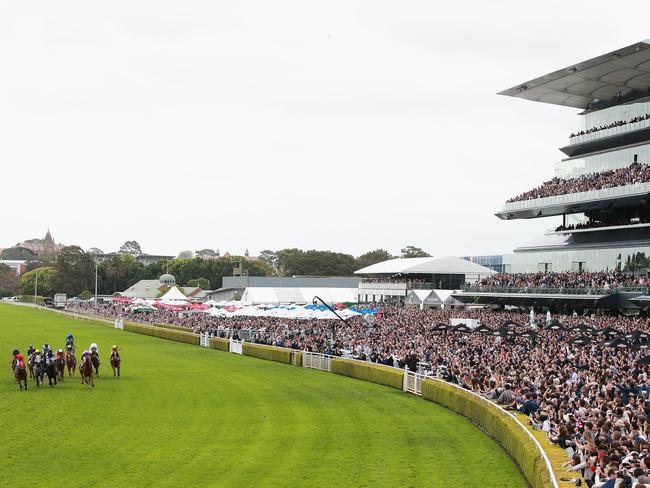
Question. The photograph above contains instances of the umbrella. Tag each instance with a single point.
(637, 335)
(441, 327)
(505, 331)
(581, 341)
(641, 345)
(461, 328)
(555, 325)
(645, 360)
(510, 323)
(483, 329)
(529, 334)
(144, 310)
(608, 332)
(617, 343)
(497, 333)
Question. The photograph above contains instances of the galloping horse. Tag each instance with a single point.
(95, 362)
(30, 365)
(86, 371)
(21, 376)
(71, 362)
(60, 367)
(115, 363)
(51, 371)
(38, 369)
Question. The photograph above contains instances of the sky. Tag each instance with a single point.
(343, 125)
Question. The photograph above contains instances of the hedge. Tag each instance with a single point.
(376, 373)
(272, 353)
(219, 343)
(497, 424)
(297, 358)
(173, 327)
(172, 335)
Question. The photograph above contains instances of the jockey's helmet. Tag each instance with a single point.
(16, 351)
(113, 346)
(37, 351)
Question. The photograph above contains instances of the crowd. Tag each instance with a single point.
(582, 380)
(617, 123)
(607, 280)
(634, 173)
(610, 222)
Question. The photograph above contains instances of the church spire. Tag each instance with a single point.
(48, 236)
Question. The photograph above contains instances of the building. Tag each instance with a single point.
(145, 259)
(17, 266)
(151, 289)
(602, 214)
(42, 247)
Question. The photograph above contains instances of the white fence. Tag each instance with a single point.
(315, 360)
(236, 347)
(204, 340)
(413, 382)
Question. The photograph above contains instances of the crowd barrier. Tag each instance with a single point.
(502, 426)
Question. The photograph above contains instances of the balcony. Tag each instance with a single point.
(620, 196)
(614, 131)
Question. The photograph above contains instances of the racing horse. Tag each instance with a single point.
(71, 362)
(38, 369)
(60, 367)
(51, 371)
(115, 364)
(30, 365)
(21, 375)
(86, 371)
(95, 362)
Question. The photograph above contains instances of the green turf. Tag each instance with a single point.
(182, 415)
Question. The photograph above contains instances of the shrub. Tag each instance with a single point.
(376, 373)
(272, 353)
(173, 327)
(172, 335)
(219, 343)
(497, 424)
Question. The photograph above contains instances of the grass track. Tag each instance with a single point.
(188, 416)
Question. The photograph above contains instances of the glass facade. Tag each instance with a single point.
(614, 159)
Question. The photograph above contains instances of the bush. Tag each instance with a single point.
(173, 327)
(172, 335)
(272, 353)
(497, 424)
(219, 343)
(375, 373)
(32, 299)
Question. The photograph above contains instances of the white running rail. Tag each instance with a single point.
(236, 347)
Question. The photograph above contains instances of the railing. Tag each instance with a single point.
(554, 291)
(316, 360)
(413, 382)
(579, 197)
(614, 131)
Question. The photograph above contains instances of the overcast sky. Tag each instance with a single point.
(330, 125)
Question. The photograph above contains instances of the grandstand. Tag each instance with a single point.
(601, 188)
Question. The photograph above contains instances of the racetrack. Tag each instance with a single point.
(182, 415)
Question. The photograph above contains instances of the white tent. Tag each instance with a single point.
(287, 295)
(439, 265)
(173, 295)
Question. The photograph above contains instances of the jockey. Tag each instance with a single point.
(84, 355)
(60, 354)
(94, 349)
(19, 359)
(69, 341)
(30, 350)
(14, 361)
(114, 351)
(48, 355)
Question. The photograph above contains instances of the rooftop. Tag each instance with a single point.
(611, 78)
(430, 265)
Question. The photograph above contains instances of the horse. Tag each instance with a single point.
(71, 362)
(38, 369)
(86, 371)
(30, 365)
(115, 364)
(95, 362)
(60, 367)
(51, 371)
(21, 376)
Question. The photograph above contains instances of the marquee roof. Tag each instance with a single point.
(430, 265)
(600, 78)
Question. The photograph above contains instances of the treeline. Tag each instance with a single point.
(72, 270)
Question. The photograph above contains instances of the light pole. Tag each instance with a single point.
(317, 298)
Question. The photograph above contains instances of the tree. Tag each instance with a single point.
(202, 283)
(95, 251)
(8, 279)
(4, 292)
(75, 271)
(315, 263)
(18, 253)
(45, 281)
(185, 255)
(373, 257)
(414, 252)
(206, 253)
(270, 258)
(131, 247)
(116, 269)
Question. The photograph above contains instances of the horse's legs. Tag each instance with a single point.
(118, 370)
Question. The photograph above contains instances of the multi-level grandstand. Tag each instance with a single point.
(601, 188)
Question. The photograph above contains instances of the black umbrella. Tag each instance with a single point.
(461, 328)
(497, 333)
(483, 329)
(617, 343)
(637, 335)
(608, 332)
(555, 325)
(581, 341)
(644, 360)
(641, 345)
(510, 323)
(505, 331)
(529, 334)
(441, 327)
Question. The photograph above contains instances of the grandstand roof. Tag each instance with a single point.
(430, 265)
(602, 78)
